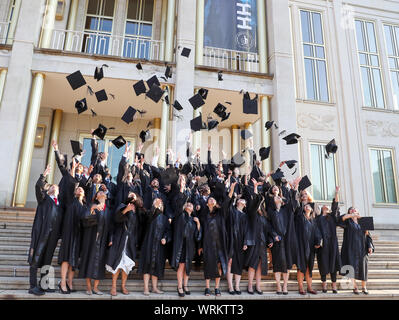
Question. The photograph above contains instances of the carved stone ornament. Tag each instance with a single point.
(382, 128)
(316, 121)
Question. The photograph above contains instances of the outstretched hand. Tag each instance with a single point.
(55, 145)
(47, 171)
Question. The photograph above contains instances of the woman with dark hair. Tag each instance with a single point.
(328, 258)
(258, 238)
(153, 251)
(97, 236)
(123, 252)
(281, 217)
(356, 247)
(187, 231)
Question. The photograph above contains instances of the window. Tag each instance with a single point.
(98, 26)
(114, 154)
(315, 56)
(323, 173)
(382, 169)
(138, 30)
(373, 94)
(392, 41)
(6, 31)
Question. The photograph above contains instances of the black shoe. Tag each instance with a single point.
(62, 291)
(250, 292)
(207, 292)
(181, 294)
(238, 292)
(217, 292)
(36, 291)
(187, 292)
(279, 292)
(285, 293)
(365, 291)
(259, 292)
(355, 291)
(50, 290)
(232, 292)
(69, 289)
(335, 291)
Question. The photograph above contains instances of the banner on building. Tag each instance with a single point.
(231, 24)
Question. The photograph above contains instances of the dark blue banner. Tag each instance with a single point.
(231, 24)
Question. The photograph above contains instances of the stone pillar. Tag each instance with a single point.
(164, 12)
(247, 146)
(157, 128)
(262, 37)
(54, 135)
(265, 135)
(199, 32)
(48, 24)
(73, 12)
(3, 75)
(170, 30)
(25, 159)
(163, 133)
(13, 24)
(235, 139)
(197, 134)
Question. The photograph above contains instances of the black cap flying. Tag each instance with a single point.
(145, 135)
(155, 93)
(81, 105)
(304, 183)
(119, 142)
(292, 138)
(185, 52)
(331, 147)
(196, 101)
(153, 80)
(139, 87)
(264, 153)
(250, 106)
(76, 80)
(128, 116)
(100, 131)
(77, 148)
(101, 95)
(246, 134)
(197, 124)
(177, 105)
(203, 93)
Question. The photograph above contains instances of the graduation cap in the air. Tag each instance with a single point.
(101, 95)
(277, 175)
(268, 124)
(99, 72)
(197, 124)
(177, 105)
(292, 138)
(145, 135)
(290, 163)
(139, 87)
(203, 93)
(237, 160)
(186, 52)
(366, 223)
(331, 147)
(81, 105)
(76, 80)
(139, 66)
(187, 168)
(100, 131)
(169, 176)
(119, 142)
(264, 153)
(250, 106)
(196, 101)
(168, 72)
(246, 134)
(77, 148)
(128, 116)
(220, 110)
(304, 183)
(212, 124)
(153, 80)
(155, 93)
(220, 76)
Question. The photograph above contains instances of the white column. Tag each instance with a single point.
(164, 12)
(163, 134)
(199, 32)
(170, 31)
(48, 23)
(235, 139)
(265, 135)
(73, 12)
(3, 75)
(262, 43)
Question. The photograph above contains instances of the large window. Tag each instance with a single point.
(114, 154)
(392, 41)
(138, 30)
(383, 172)
(323, 173)
(98, 26)
(315, 56)
(373, 93)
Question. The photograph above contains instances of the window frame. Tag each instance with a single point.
(393, 157)
(322, 145)
(316, 81)
(370, 67)
(396, 48)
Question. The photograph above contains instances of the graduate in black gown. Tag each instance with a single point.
(97, 236)
(122, 255)
(186, 233)
(45, 231)
(356, 247)
(153, 250)
(328, 257)
(215, 240)
(258, 238)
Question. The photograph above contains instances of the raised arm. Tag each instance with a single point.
(61, 161)
(94, 150)
(40, 184)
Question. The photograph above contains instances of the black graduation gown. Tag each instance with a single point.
(328, 258)
(354, 251)
(282, 222)
(185, 236)
(71, 234)
(46, 227)
(258, 237)
(153, 252)
(214, 239)
(308, 236)
(95, 161)
(95, 239)
(126, 226)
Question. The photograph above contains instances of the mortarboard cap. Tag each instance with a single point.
(292, 138)
(268, 124)
(139, 66)
(304, 183)
(76, 80)
(366, 223)
(290, 163)
(212, 124)
(101, 95)
(220, 110)
(187, 168)
(220, 76)
(185, 52)
(331, 147)
(278, 175)
(139, 87)
(196, 124)
(100, 131)
(153, 80)
(250, 106)
(264, 153)
(203, 93)
(155, 93)
(177, 105)
(246, 134)
(169, 176)
(168, 72)
(145, 135)
(196, 101)
(77, 147)
(128, 116)
(98, 73)
(237, 160)
(81, 105)
(119, 142)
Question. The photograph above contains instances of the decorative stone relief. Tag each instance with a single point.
(382, 128)
(316, 122)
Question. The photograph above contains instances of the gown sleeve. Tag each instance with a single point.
(39, 189)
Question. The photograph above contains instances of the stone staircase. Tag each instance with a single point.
(15, 229)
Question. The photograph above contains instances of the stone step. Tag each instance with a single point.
(22, 283)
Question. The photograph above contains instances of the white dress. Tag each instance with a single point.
(126, 264)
